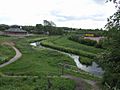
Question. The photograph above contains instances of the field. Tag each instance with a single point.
(40, 62)
(87, 53)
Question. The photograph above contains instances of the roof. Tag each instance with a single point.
(15, 30)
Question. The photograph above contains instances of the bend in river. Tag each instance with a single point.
(93, 69)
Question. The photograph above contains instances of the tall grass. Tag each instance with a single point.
(68, 50)
(31, 83)
(6, 53)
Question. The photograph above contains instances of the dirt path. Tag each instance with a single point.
(80, 85)
(78, 81)
(93, 83)
(16, 57)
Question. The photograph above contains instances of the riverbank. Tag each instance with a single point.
(41, 62)
(87, 53)
(35, 62)
(93, 69)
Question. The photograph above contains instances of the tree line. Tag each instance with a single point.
(49, 27)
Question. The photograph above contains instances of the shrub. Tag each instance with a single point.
(68, 50)
(83, 41)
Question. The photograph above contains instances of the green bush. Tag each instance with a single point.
(83, 41)
(85, 60)
(68, 50)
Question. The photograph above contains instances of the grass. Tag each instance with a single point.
(64, 41)
(86, 53)
(29, 83)
(35, 61)
(6, 53)
(39, 62)
(86, 60)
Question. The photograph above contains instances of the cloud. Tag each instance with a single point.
(71, 13)
(100, 1)
(61, 18)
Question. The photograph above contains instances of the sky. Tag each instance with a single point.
(87, 14)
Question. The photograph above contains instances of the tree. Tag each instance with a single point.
(50, 27)
(29, 28)
(110, 59)
(39, 28)
(15, 26)
(49, 23)
(114, 20)
(3, 27)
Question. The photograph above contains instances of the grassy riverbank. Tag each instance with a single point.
(87, 53)
(35, 61)
(40, 62)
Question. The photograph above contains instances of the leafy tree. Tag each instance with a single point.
(50, 27)
(29, 28)
(3, 27)
(14, 26)
(49, 23)
(39, 28)
(110, 59)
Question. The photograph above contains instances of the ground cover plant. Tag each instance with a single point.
(31, 83)
(40, 62)
(64, 44)
(6, 51)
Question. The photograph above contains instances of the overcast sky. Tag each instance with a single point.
(69, 13)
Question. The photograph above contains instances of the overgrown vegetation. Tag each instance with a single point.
(85, 41)
(63, 44)
(35, 62)
(39, 62)
(32, 83)
(110, 59)
(6, 53)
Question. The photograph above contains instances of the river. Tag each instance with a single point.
(93, 69)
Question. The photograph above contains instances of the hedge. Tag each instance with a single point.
(68, 50)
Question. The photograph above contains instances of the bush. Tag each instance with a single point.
(83, 41)
(88, 42)
(68, 50)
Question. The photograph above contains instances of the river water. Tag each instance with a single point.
(93, 69)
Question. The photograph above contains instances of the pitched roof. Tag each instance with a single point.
(15, 30)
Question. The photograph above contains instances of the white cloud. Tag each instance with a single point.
(71, 13)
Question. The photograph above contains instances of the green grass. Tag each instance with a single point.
(6, 53)
(39, 62)
(67, 49)
(36, 61)
(7, 39)
(86, 53)
(86, 60)
(30, 83)
(64, 41)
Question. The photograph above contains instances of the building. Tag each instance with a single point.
(15, 32)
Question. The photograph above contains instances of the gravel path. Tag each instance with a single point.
(16, 57)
